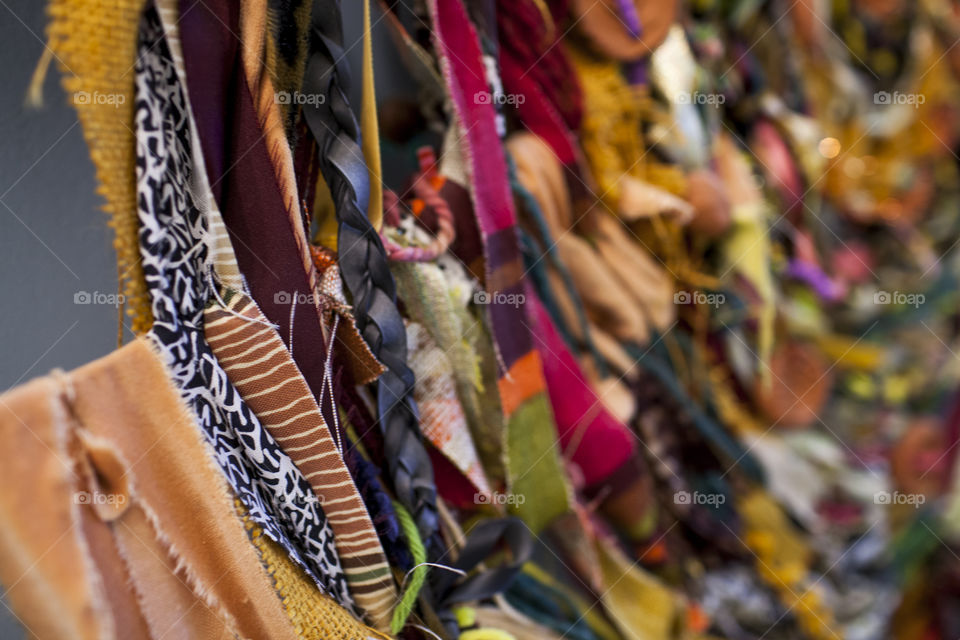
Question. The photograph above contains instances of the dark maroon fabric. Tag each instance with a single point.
(210, 59)
(454, 487)
(245, 185)
(305, 166)
(527, 44)
(358, 416)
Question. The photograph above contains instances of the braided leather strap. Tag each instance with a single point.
(363, 265)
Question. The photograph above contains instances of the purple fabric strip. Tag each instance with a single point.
(636, 71)
(814, 276)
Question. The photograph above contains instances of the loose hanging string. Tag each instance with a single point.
(227, 309)
(293, 312)
(34, 97)
(417, 574)
(426, 630)
(406, 576)
(328, 383)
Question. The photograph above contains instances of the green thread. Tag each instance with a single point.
(409, 598)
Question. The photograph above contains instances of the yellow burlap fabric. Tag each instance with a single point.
(94, 43)
(314, 615)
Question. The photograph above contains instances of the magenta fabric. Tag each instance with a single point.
(589, 435)
(464, 72)
(535, 66)
(538, 115)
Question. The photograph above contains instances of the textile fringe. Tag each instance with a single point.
(314, 616)
(94, 43)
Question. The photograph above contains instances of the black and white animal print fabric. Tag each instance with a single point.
(176, 264)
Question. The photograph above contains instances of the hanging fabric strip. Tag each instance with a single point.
(315, 616)
(369, 128)
(94, 43)
(592, 438)
(256, 196)
(534, 462)
(298, 425)
(256, 360)
(289, 411)
(149, 515)
(442, 417)
(175, 257)
(363, 265)
(482, 541)
(288, 30)
(535, 66)
(267, 100)
(179, 493)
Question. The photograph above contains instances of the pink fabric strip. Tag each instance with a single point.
(589, 435)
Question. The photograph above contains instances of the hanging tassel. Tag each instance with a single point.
(34, 97)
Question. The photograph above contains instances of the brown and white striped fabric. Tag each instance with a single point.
(269, 382)
(261, 368)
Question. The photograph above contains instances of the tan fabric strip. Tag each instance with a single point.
(173, 609)
(46, 566)
(128, 618)
(126, 400)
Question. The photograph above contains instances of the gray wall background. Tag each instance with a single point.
(54, 239)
